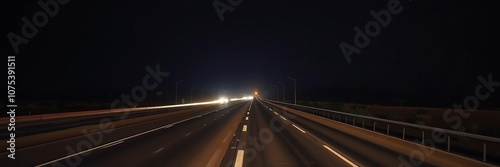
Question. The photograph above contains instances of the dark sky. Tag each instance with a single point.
(98, 48)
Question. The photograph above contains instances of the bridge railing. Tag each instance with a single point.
(466, 144)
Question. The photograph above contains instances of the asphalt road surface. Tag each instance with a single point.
(168, 141)
(247, 133)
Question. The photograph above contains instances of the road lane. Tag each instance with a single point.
(61, 148)
(271, 137)
(40, 126)
(272, 140)
(360, 151)
(189, 144)
(277, 152)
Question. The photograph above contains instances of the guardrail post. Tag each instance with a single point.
(448, 143)
(484, 151)
(353, 121)
(339, 117)
(374, 123)
(363, 124)
(387, 129)
(423, 137)
(403, 133)
(345, 119)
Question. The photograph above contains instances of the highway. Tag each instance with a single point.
(179, 126)
(36, 127)
(352, 149)
(250, 133)
(272, 141)
(189, 144)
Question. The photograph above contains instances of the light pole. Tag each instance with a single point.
(176, 90)
(269, 93)
(272, 93)
(192, 85)
(283, 91)
(277, 92)
(212, 92)
(295, 88)
(219, 92)
(202, 92)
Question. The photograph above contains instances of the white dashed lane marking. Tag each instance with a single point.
(158, 150)
(244, 128)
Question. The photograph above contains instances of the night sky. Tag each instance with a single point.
(433, 51)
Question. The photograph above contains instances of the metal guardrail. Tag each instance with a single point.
(330, 114)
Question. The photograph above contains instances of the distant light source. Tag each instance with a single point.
(256, 93)
(243, 98)
(223, 100)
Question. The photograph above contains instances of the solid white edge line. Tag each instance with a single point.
(78, 153)
(239, 158)
(168, 126)
(112, 144)
(340, 156)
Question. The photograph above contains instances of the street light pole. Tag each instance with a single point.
(192, 85)
(219, 92)
(272, 93)
(202, 92)
(283, 91)
(176, 90)
(277, 92)
(295, 88)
